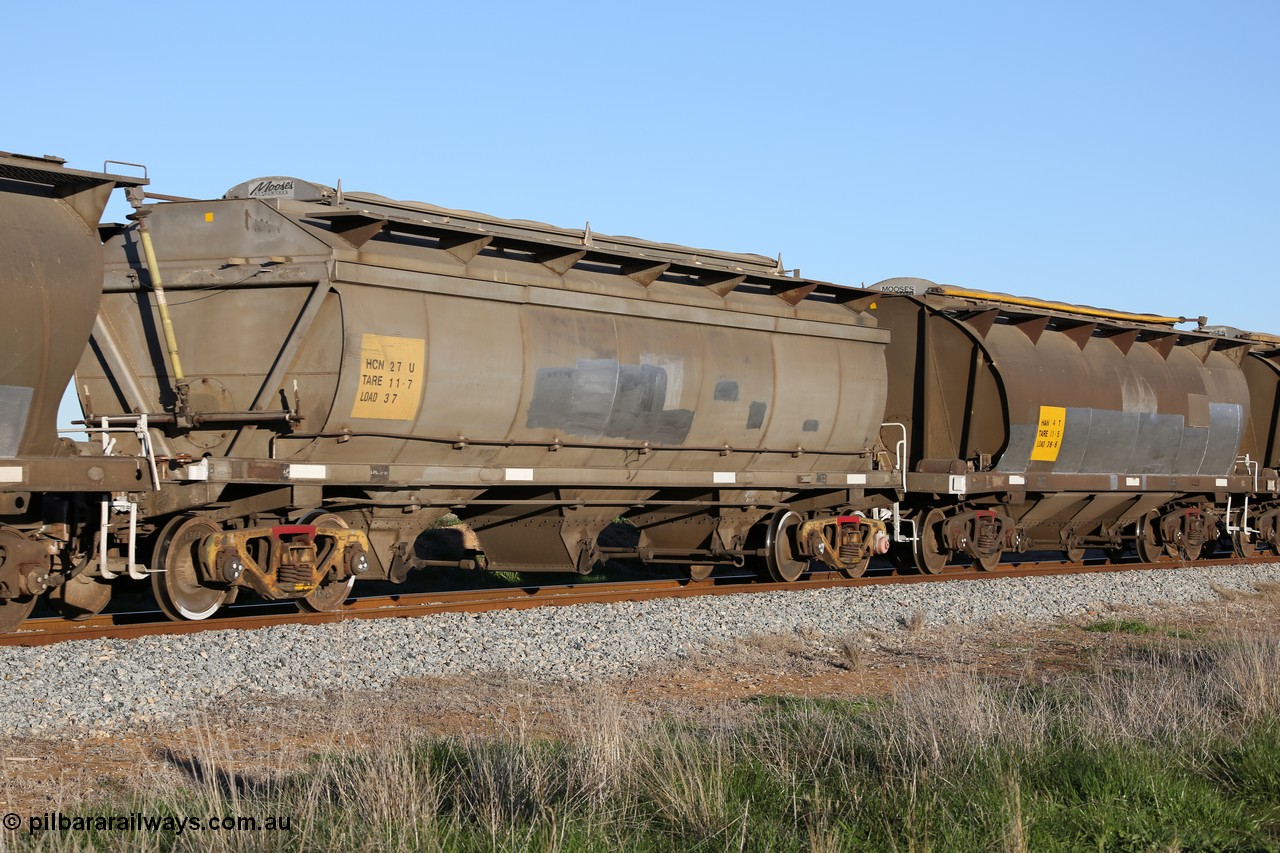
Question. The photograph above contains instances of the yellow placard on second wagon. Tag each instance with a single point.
(392, 371)
(1053, 423)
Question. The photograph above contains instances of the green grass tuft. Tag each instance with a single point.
(1123, 626)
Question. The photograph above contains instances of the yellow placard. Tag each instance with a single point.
(392, 371)
(1053, 422)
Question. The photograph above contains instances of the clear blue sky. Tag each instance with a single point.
(1115, 154)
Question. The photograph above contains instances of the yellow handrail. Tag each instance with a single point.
(1046, 305)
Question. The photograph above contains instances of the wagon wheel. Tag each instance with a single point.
(930, 554)
(81, 597)
(989, 562)
(781, 556)
(858, 569)
(1150, 550)
(175, 578)
(14, 610)
(1242, 546)
(701, 571)
(331, 593)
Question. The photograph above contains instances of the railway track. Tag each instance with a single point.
(128, 625)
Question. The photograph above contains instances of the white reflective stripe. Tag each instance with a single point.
(724, 477)
(856, 479)
(1133, 481)
(959, 484)
(308, 472)
(11, 474)
(1017, 480)
(1221, 481)
(520, 474)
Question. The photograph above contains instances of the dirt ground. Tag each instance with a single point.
(46, 774)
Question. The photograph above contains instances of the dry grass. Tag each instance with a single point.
(954, 720)
(776, 644)
(1262, 594)
(852, 650)
(1227, 593)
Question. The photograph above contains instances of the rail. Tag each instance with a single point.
(45, 631)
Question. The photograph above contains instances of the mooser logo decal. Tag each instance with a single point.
(271, 188)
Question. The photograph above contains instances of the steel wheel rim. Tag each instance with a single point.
(930, 555)
(1148, 550)
(13, 611)
(176, 582)
(330, 595)
(781, 559)
(1191, 554)
(858, 569)
(1242, 545)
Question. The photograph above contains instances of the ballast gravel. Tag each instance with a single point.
(101, 685)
